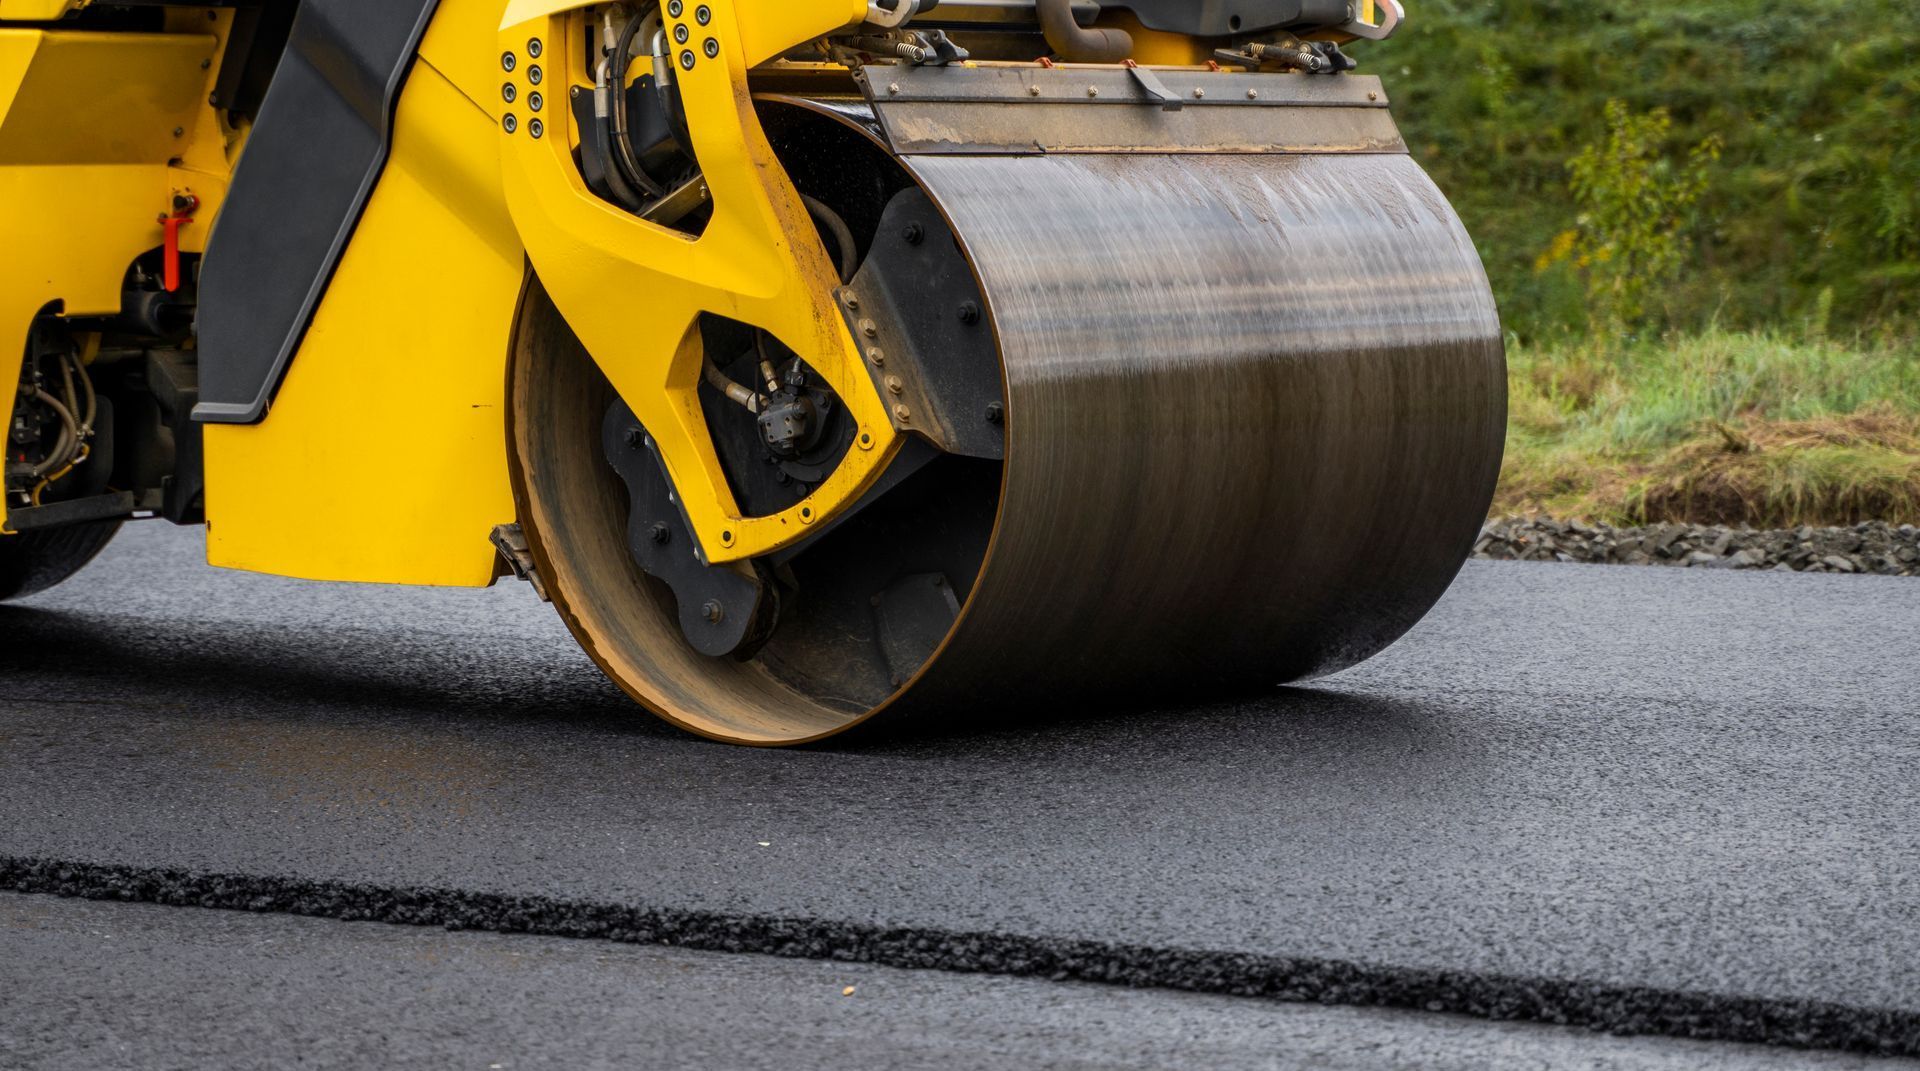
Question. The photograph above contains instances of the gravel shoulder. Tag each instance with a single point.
(1873, 547)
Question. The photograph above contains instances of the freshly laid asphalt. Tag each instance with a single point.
(1676, 803)
(93, 985)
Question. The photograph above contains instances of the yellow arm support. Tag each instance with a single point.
(633, 291)
(39, 10)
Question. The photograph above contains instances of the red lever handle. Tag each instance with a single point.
(184, 205)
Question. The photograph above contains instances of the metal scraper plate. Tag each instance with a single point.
(1021, 109)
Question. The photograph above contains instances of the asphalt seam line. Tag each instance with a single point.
(1617, 1009)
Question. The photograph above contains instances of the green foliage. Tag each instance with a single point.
(1636, 209)
(1817, 189)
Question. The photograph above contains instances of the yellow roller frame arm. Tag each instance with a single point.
(633, 291)
(39, 10)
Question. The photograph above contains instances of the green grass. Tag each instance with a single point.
(1721, 427)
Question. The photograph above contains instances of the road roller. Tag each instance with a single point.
(921, 362)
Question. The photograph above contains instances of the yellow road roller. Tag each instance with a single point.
(818, 360)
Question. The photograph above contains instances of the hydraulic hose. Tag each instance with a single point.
(77, 371)
(1077, 44)
(69, 440)
(669, 95)
(726, 385)
(842, 234)
(623, 156)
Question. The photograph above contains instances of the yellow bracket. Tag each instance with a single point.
(633, 291)
(39, 10)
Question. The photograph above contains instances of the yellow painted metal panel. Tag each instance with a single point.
(767, 27)
(461, 44)
(771, 27)
(384, 455)
(38, 10)
(1158, 48)
(202, 170)
(100, 98)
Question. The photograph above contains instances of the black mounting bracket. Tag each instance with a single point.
(724, 610)
(922, 325)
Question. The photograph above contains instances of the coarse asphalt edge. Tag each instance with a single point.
(1616, 1009)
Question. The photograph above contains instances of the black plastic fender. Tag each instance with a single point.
(316, 149)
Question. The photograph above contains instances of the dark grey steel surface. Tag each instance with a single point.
(1680, 781)
(1255, 408)
(316, 150)
(134, 986)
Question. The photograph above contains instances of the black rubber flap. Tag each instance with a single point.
(310, 164)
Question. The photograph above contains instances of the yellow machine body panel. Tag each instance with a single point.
(88, 127)
(383, 457)
(461, 44)
(38, 10)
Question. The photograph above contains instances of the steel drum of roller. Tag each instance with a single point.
(1253, 408)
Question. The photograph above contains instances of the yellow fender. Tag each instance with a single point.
(383, 457)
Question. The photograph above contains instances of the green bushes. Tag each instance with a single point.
(1816, 190)
(1634, 232)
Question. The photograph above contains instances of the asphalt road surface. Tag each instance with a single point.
(1677, 805)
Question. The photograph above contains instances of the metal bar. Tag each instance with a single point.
(1032, 85)
(74, 511)
(1030, 110)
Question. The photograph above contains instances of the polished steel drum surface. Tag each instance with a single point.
(1255, 409)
